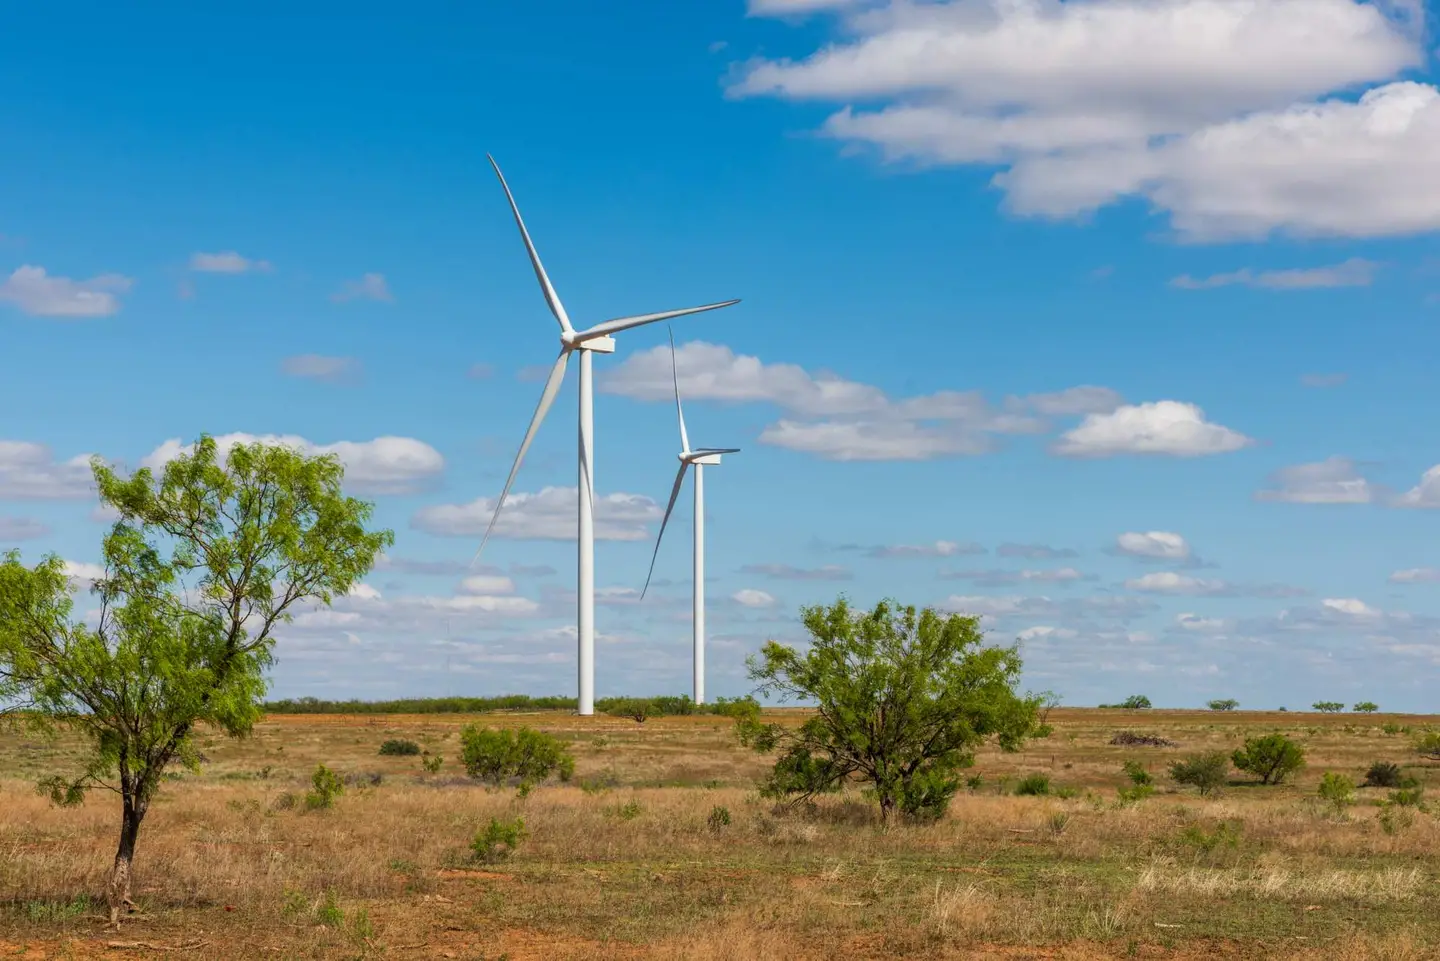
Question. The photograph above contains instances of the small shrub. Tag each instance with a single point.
(1228, 704)
(1427, 745)
(360, 925)
(1058, 822)
(284, 801)
(53, 911)
(1065, 792)
(328, 912)
(719, 818)
(499, 756)
(1366, 707)
(1226, 834)
(1337, 789)
(1395, 818)
(431, 763)
(326, 787)
(498, 840)
(1383, 774)
(1134, 793)
(974, 783)
(1205, 772)
(1329, 707)
(1271, 757)
(638, 709)
(400, 748)
(1034, 785)
(1137, 774)
(1391, 728)
(628, 811)
(1408, 797)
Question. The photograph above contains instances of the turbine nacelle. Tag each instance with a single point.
(576, 340)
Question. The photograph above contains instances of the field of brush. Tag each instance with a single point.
(661, 848)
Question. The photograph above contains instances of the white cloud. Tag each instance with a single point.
(843, 420)
(550, 514)
(487, 584)
(1169, 582)
(993, 578)
(21, 529)
(364, 592)
(1165, 427)
(1424, 494)
(749, 597)
(1201, 625)
(936, 549)
(1165, 545)
(1034, 551)
(1331, 481)
(1047, 631)
(785, 572)
(1354, 272)
(30, 472)
(1416, 575)
(319, 367)
(1205, 108)
(35, 292)
(1350, 606)
(226, 262)
(385, 465)
(369, 287)
(83, 572)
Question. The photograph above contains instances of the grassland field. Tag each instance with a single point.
(630, 860)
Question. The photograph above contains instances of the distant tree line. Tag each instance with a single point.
(620, 706)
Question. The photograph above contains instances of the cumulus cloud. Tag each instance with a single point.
(487, 584)
(844, 420)
(996, 578)
(1167, 427)
(83, 573)
(1355, 272)
(1416, 575)
(1350, 606)
(750, 597)
(39, 294)
(1201, 625)
(226, 262)
(1424, 494)
(1159, 545)
(329, 370)
(385, 465)
(368, 287)
(30, 472)
(1210, 110)
(785, 572)
(935, 549)
(1171, 582)
(550, 514)
(1331, 481)
(21, 529)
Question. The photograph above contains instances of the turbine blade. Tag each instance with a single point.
(640, 320)
(674, 493)
(551, 298)
(552, 387)
(680, 411)
(716, 450)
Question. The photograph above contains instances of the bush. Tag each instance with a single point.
(1271, 758)
(1131, 739)
(1034, 785)
(326, 787)
(1228, 704)
(431, 763)
(1337, 789)
(400, 748)
(637, 709)
(719, 818)
(1409, 796)
(1383, 774)
(1137, 774)
(1366, 707)
(1226, 834)
(499, 756)
(498, 840)
(1428, 745)
(1205, 772)
(1135, 702)
(1328, 707)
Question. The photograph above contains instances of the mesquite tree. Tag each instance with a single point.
(902, 701)
(202, 565)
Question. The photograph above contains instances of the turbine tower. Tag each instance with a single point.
(700, 458)
(593, 340)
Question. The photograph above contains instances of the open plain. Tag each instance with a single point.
(632, 858)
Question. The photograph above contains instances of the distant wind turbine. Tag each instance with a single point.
(700, 458)
(596, 339)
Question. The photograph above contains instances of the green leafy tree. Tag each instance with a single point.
(1205, 772)
(902, 699)
(1329, 707)
(1136, 702)
(1271, 758)
(1366, 707)
(1337, 789)
(1228, 704)
(498, 755)
(203, 564)
(638, 709)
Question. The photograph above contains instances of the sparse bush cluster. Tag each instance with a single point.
(326, 786)
(1206, 773)
(1135, 702)
(399, 748)
(500, 756)
(498, 840)
(1228, 704)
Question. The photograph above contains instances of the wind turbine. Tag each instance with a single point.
(593, 340)
(700, 458)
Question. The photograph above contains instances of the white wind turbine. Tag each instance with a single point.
(700, 458)
(596, 339)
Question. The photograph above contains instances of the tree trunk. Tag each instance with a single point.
(887, 807)
(117, 892)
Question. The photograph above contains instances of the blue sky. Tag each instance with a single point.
(944, 220)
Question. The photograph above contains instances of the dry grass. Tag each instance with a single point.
(625, 864)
